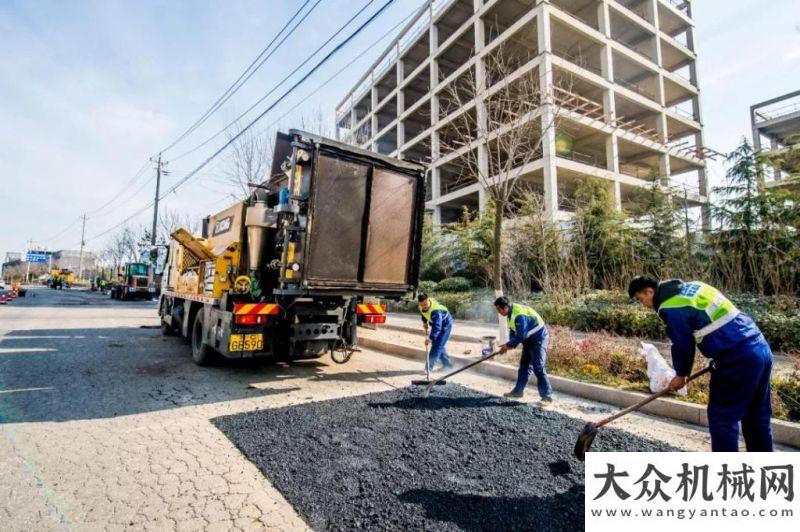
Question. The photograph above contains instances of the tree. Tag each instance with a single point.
(500, 120)
(602, 240)
(248, 160)
(657, 224)
(756, 246)
(535, 251)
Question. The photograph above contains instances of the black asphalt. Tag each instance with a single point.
(461, 460)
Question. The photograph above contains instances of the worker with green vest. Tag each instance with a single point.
(438, 324)
(699, 316)
(527, 328)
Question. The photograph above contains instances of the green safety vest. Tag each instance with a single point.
(435, 305)
(518, 309)
(705, 298)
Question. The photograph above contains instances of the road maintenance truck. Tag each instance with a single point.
(133, 280)
(61, 278)
(285, 273)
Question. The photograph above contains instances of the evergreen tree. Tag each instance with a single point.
(661, 244)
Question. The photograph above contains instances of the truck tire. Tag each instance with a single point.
(202, 354)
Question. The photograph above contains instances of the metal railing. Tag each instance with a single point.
(680, 5)
(777, 112)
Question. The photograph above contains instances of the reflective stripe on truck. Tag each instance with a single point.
(363, 308)
(256, 308)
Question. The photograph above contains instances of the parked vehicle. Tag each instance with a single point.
(133, 280)
(282, 273)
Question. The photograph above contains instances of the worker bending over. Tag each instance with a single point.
(700, 316)
(438, 324)
(527, 328)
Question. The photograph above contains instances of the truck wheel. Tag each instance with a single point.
(202, 354)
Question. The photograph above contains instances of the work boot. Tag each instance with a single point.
(546, 402)
(514, 394)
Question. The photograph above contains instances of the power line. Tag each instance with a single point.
(122, 189)
(194, 172)
(341, 70)
(248, 72)
(278, 85)
(67, 228)
(283, 96)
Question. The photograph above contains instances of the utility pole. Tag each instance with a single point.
(159, 172)
(28, 262)
(83, 243)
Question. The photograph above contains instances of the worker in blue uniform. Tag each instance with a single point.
(527, 328)
(700, 316)
(438, 325)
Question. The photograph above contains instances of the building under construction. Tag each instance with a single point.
(629, 114)
(776, 128)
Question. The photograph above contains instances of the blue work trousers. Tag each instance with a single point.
(534, 360)
(438, 350)
(740, 392)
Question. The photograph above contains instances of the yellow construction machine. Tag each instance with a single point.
(285, 273)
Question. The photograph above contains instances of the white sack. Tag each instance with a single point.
(659, 372)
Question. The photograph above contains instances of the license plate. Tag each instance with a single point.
(246, 342)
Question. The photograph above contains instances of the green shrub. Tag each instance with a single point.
(778, 317)
(787, 390)
(426, 286)
(781, 330)
(454, 284)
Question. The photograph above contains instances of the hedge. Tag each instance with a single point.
(613, 312)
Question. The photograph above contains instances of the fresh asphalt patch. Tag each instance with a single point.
(460, 460)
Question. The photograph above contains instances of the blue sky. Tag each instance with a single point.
(89, 90)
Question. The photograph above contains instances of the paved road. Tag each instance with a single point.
(105, 424)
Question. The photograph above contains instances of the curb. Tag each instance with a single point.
(419, 332)
(783, 432)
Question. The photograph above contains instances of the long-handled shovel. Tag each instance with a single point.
(589, 432)
(427, 380)
(427, 391)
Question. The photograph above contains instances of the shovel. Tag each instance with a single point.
(589, 432)
(427, 380)
(441, 380)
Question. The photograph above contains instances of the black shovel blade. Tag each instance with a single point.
(585, 440)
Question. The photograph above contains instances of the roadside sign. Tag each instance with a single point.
(36, 256)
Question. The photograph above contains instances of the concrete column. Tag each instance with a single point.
(374, 116)
(690, 38)
(776, 169)
(480, 105)
(662, 127)
(705, 210)
(610, 106)
(401, 105)
(607, 63)
(436, 184)
(612, 153)
(664, 169)
(437, 215)
(617, 195)
(604, 19)
(433, 44)
(549, 168)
